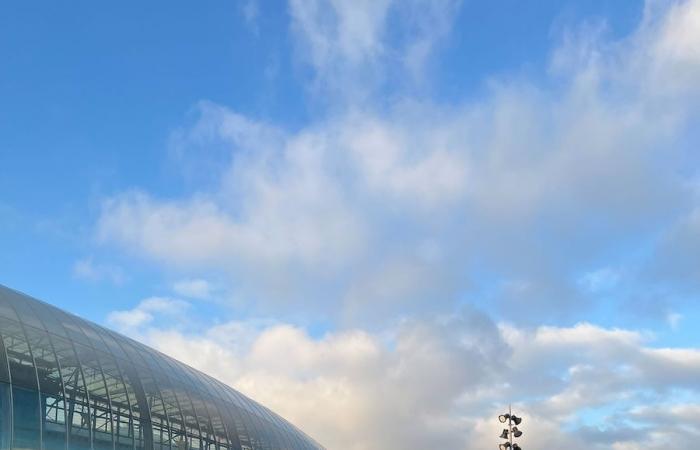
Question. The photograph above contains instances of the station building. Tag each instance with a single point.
(69, 384)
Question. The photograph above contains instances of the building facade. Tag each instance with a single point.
(69, 384)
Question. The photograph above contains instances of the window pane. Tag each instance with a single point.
(174, 413)
(101, 424)
(5, 424)
(139, 407)
(54, 422)
(18, 354)
(47, 314)
(51, 386)
(78, 411)
(122, 420)
(24, 311)
(6, 309)
(4, 371)
(25, 413)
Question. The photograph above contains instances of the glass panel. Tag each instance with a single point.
(78, 409)
(191, 425)
(268, 436)
(237, 433)
(47, 314)
(94, 339)
(122, 420)
(159, 419)
(54, 434)
(179, 387)
(5, 417)
(251, 427)
(74, 332)
(174, 413)
(25, 413)
(207, 433)
(24, 310)
(139, 407)
(260, 440)
(217, 423)
(18, 354)
(53, 403)
(110, 341)
(234, 421)
(6, 309)
(4, 369)
(101, 424)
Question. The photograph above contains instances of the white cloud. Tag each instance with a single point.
(443, 381)
(358, 47)
(88, 269)
(529, 183)
(129, 318)
(251, 13)
(144, 312)
(601, 279)
(193, 288)
(674, 320)
(677, 50)
(678, 255)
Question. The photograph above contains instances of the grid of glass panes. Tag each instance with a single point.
(66, 383)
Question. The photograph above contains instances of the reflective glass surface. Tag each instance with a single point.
(66, 383)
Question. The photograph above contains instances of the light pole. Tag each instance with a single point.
(511, 432)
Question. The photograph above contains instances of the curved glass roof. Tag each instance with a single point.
(66, 383)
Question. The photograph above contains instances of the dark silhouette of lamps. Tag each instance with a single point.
(511, 432)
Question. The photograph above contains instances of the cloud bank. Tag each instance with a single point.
(441, 382)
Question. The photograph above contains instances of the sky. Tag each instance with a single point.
(386, 220)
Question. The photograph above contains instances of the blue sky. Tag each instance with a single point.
(365, 189)
(92, 95)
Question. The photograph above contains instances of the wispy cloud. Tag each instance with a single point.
(90, 270)
(528, 183)
(143, 314)
(251, 13)
(193, 288)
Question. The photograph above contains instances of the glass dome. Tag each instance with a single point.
(66, 383)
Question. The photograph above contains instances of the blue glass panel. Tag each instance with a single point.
(4, 369)
(47, 314)
(6, 309)
(5, 417)
(101, 416)
(26, 419)
(53, 405)
(78, 405)
(122, 418)
(24, 311)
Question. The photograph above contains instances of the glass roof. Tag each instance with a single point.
(67, 383)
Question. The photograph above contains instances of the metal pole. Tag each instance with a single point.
(510, 425)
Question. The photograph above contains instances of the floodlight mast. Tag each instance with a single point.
(510, 424)
(512, 431)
